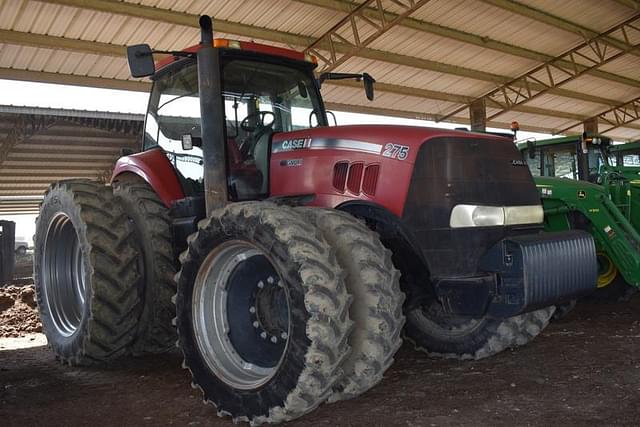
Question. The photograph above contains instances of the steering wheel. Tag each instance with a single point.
(257, 131)
(259, 119)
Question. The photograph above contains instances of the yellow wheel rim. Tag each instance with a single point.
(607, 271)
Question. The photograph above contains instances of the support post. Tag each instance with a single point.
(591, 126)
(212, 119)
(478, 115)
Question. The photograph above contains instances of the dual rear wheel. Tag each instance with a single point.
(276, 313)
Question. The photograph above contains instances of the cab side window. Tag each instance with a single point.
(174, 110)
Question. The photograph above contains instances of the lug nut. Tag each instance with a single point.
(270, 280)
(263, 335)
(274, 340)
(284, 336)
(256, 324)
(260, 284)
(252, 309)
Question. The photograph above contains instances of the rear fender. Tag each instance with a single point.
(153, 167)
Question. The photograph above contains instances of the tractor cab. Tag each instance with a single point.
(625, 155)
(580, 157)
(261, 94)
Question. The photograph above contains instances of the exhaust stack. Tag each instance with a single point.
(212, 119)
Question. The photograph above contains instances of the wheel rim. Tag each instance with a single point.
(606, 270)
(63, 276)
(241, 316)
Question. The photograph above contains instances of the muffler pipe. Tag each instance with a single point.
(212, 121)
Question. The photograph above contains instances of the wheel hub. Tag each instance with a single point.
(241, 314)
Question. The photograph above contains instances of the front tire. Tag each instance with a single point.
(85, 273)
(262, 313)
(459, 337)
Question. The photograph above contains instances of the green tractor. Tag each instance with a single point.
(582, 187)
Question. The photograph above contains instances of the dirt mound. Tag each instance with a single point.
(18, 311)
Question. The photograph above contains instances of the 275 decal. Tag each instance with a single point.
(396, 151)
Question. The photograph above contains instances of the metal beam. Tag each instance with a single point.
(357, 31)
(552, 74)
(51, 166)
(555, 21)
(631, 4)
(382, 87)
(419, 116)
(424, 64)
(179, 18)
(71, 79)
(618, 116)
(347, 6)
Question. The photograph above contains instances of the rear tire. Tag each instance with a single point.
(86, 273)
(459, 337)
(151, 224)
(225, 304)
(374, 284)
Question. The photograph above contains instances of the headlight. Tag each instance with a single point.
(487, 216)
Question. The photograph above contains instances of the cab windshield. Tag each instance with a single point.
(260, 99)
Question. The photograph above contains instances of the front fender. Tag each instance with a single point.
(154, 167)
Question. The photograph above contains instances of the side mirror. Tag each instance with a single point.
(368, 85)
(531, 149)
(189, 141)
(140, 60)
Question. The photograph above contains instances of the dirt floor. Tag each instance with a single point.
(583, 370)
(18, 311)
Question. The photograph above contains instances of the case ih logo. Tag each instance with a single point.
(294, 144)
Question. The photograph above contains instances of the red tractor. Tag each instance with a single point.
(299, 248)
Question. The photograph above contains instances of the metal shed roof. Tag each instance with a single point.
(55, 144)
(441, 56)
(548, 65)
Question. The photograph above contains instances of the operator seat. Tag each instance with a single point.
(261, 158)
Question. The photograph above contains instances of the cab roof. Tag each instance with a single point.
(562, 140)
(245, 46)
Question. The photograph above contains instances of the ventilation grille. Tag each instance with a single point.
(355, 177)
(340, 175)
(370, 180)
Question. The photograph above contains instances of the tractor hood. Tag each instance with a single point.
(401, 142)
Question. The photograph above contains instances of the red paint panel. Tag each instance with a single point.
(312, 176)
(154, 167)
